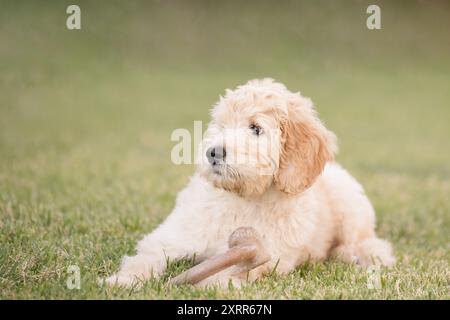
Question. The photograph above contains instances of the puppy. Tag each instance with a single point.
(266, 162)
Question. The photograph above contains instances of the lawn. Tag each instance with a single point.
(86, 117)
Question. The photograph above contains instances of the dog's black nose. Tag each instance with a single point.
(216, 155)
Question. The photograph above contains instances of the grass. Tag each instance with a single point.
(86, 118)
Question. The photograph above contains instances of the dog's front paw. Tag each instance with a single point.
(121, 280)
(135, 270)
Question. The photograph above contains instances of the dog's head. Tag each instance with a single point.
(261, 134)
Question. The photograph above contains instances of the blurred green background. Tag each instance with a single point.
(86, 117)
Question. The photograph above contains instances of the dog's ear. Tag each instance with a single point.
(306, 146)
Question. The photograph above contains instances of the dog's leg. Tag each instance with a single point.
(354, 216)
(371, 251)
(168, 242)
(136, 269)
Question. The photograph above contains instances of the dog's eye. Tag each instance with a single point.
(256, 129)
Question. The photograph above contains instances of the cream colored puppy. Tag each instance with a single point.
(267, 162)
